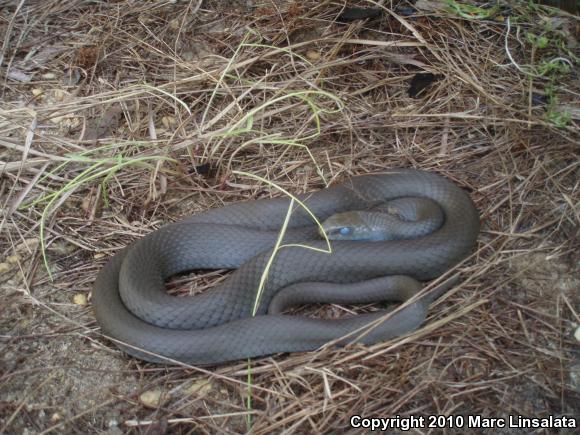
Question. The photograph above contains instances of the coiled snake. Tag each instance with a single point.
(132, 307)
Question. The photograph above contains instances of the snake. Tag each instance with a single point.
(234, 321)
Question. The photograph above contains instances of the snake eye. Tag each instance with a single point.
(345, 231)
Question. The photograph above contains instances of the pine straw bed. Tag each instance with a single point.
(118, 117)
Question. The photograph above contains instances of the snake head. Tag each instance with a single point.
(346, 226)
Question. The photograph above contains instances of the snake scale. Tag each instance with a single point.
(132, 306)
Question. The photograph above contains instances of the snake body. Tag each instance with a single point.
(132, 307)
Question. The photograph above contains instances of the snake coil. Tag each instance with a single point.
(132, 307)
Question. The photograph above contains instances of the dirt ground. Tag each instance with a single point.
(118, 117)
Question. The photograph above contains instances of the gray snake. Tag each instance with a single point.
(132, 306)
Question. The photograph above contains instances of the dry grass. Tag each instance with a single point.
(109, 108)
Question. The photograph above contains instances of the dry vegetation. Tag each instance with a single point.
(119, 116)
